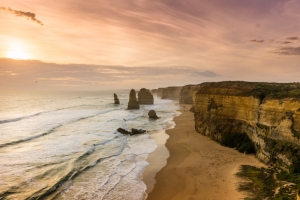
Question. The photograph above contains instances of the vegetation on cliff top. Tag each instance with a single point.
(259, 90)
(266, 183)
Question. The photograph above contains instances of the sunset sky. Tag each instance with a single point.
(102, 44)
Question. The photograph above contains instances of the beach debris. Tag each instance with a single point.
(132, 132)
(133, 103)
(117, 101)
(152, 114)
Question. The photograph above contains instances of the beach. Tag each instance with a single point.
(198, 167)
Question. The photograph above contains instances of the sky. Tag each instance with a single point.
(119, 44)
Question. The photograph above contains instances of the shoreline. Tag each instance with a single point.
(198, 167)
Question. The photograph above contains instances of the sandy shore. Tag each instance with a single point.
(197, 168)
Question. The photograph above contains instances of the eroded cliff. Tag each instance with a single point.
(268, 113)
(171, 93)
(186, 94)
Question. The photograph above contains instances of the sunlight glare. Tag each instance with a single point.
(17, 52)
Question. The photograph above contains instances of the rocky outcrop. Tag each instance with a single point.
(159, 92)
(186, 94)
(145, 97)
(171, 93)
(133, 103)
(116, 99)
(268, 113)
(154, 91)
(152, 114)
(132, 132)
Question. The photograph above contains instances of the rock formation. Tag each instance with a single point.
(145, 97)
(154, 92)
(133, 103)
(159, 92)
(171, 93)
(269, 113)
(132, 132)
(152, 114)
(186, 94)
(116, 99)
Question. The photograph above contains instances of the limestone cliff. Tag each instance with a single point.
(159, 92)
(154, 91)
(133, 103)
(145, 96)
(171, 93)
(186, 94)
(268, 113)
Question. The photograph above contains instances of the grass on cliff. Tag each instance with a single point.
(239, 141)
(266, 183)
(260, 90)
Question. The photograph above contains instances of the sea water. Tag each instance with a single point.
(64, 145)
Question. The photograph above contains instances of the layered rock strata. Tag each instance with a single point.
(116, 99)
(171, 93)
(268, 113)
(186, 94)
(145, 97)
(133, 103)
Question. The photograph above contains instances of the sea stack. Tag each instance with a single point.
(117, 101)
(145, 96)
(152, 114)
(133, 103)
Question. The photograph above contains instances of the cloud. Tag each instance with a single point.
(283, 42)
(28, 15)
(257, 41)
(209, 73)
(293, 38)
(288, 51)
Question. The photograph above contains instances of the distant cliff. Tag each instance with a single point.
(171, 93)
(159, 92)
(186, 94)
(269, 113)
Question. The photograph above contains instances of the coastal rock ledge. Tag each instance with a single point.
(133, 103)
(145, 97)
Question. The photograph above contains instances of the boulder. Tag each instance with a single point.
(133, 103)
(152, 114)
(117, 101)
(145, 96)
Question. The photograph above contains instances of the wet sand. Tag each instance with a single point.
(197, 168)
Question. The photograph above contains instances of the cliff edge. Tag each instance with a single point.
(269, 113)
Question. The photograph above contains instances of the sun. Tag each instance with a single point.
(17, 51)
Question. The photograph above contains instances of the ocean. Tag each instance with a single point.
(64, 145)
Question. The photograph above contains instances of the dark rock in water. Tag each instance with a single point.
(145, 96)
(152, 114)
(133, 103)
(117, 101)
(137, 131)
(133, 131)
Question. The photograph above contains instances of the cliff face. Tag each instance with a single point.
(159, 92)
(133, 103)
(186, 94)
(145, 96)
(273, 124)
(171, 93)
